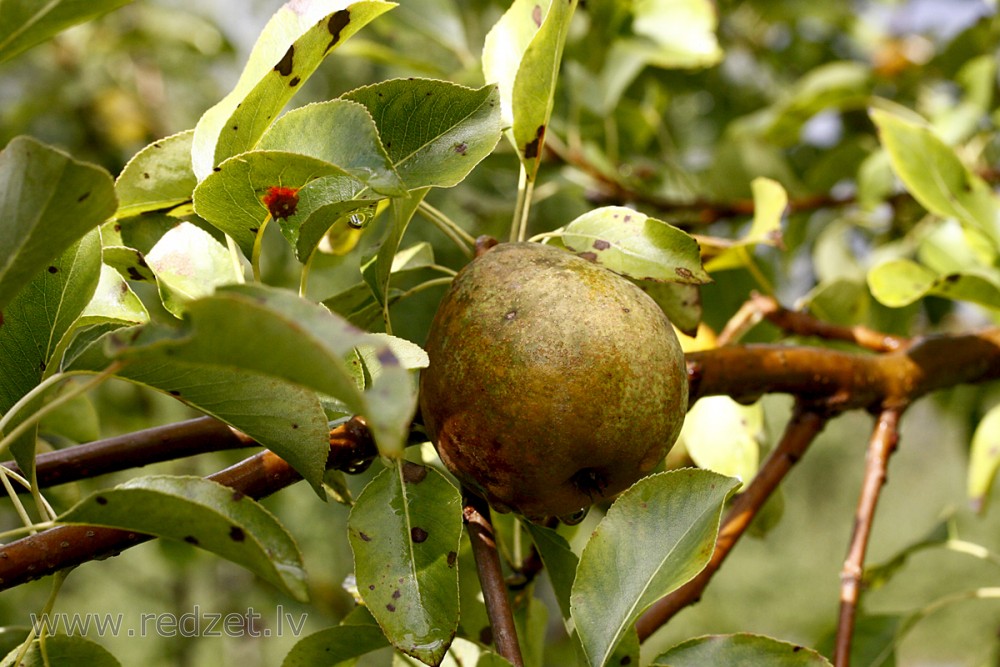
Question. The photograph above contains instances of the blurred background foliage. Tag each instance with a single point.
(784, 94)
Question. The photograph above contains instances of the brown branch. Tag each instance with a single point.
(838, 381)
(802, 429)
(881, 446)
(484, 548)
(134, 450)
(797, 323)
(258, 476)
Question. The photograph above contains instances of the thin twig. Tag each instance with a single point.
(484, 548)
(883, 443)
(760, 307)
(802, 429)
(259, 476)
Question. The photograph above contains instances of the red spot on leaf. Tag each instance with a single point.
(281, 202)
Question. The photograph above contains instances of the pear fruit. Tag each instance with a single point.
(553, 382)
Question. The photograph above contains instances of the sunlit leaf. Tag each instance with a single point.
(25, 23)
(48, 201)
(900, 282)
(405, 530)
(158, 178)
(335, 645)
(770, 201)
(522, 54)
(188, 264)
(657, 536)
(63, 651)
(721, 435)
(740, 650)
(935, 176)
(202, 513)
(984, 459)
(635, 245)
(290, 48)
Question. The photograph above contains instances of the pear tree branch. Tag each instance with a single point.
(883, 443)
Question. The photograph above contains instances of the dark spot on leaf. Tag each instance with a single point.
(42, 366)
(235, 128)
(391, 607)
(952, 278)
(281, 202)
(684, 272)
(145, 174)
(216, 168)
(238, 496)
(452, 558)
(101, 500)
(388, 144)
(133, 273)
(590, 256)
(53, 269)
(157, 145)
(387, 358)
(294, 81)
(628, 218)
(141, 259)
(83, 196)
(601, 244)
(461, 147)
(796, 649)
(396, 594)
(1, 319)
(626, 660)
(191, 539)
(254, 230)
(284, 66)
(536, 15)
(294, 426)
(418, 534)
(364, 537)
(174, 392)
(236, 534)
(118, 227)
(371, 587)
(413, 473)
(337, 23)
(532, 147)
(486, 635)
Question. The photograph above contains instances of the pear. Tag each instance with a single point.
(553, 382)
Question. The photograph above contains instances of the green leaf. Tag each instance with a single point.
(189, 264)
(202, 513)
(878, 575)
(900, 282)
(333, 645)
(725, 437)
(158, 178)
(770, 201)
(341, 133)
(63, 651)
(290, 48)
(25, 23)
(274, 333)
(230, 198)
(377, 270)
(113, 303)
(435, 132)
(48, 201)
(405, 530)
(657, 536)
(984, 459)
(635, 245)
(681, 303)
(522, 53)
(934, 175)
(560, 562)
(739, 650)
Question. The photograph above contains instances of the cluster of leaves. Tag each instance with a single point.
(142, 277)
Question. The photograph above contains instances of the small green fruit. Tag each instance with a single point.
(552, 383)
